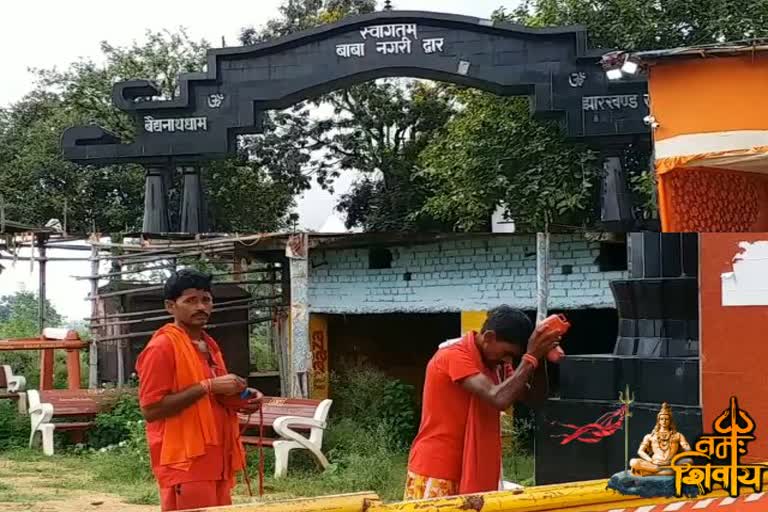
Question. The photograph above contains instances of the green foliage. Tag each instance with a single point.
(381, 129)
(361, 459)
(372, 400)
(376, 129)
(648, 25)
(19, 319)
(116, 425)
(651, 24)
(244, 196)
(19, 315)
(492, 152)
(14, 428)
(263, 358)
(129, 461)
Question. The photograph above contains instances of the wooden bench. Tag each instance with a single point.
(286, 423)
(50, 340)
(69, 410)
(12, 387)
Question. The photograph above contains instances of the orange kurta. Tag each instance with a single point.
(459, 439)
(216, 459)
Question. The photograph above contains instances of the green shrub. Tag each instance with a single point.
(128, 460)
(14, 428)
(115, 426)
(263, 358)
(370, 398)
(362, 459)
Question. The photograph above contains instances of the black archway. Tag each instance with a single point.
(553, 66)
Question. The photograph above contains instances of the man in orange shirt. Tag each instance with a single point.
(467, 385)
(190, 401)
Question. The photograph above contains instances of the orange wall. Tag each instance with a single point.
(734, 342)
(709, 95)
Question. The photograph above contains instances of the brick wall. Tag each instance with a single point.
(459, 275)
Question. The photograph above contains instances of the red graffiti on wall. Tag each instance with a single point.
(319, 360)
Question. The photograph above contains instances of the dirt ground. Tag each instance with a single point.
(42, 487)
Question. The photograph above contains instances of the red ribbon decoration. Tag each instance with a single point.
(605, 426)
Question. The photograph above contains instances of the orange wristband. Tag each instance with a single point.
(532, 360)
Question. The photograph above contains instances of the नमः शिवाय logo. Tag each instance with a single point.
(715, 458)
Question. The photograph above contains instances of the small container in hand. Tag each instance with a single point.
(560, 325)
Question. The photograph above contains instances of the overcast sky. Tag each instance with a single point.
(54, 33)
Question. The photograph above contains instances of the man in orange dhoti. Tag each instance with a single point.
(467, 385)
(190, 401)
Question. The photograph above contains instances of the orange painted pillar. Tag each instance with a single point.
(73, 369)
(46, 368)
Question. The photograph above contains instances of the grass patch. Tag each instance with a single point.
(372, 423)
(111, 472)
(386, 477)
(9, 494)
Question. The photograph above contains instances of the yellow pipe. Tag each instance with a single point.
(357, 502)
(588, 496)
(531, 500)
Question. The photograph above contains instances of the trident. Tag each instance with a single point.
(627, 399)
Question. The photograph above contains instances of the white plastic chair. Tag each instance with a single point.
(292, 440)
(15, 383)
(40, 415)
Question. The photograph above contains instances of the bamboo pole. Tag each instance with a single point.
(162, 310)
(58, 245)
(170, 266)
(166, 317)
(207, 328)
(125, 272)
(37, 258)
(120, 293)
(183, 245)
(164, 255)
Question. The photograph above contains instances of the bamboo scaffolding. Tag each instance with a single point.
(252, 321)
(129, 260)
(172, 265)
(168, 317)
(125, 272)
(56, 245)
(38, 259)
(185, 245)
(160, 287)
(132, 259)
(216, 305)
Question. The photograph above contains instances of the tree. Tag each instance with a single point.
(648, 25)
(19, 315)
(651, 24)
(376, 129)
(112, 197)
(494, 153)
(382, 129)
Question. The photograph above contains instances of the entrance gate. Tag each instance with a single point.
(552, 66)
